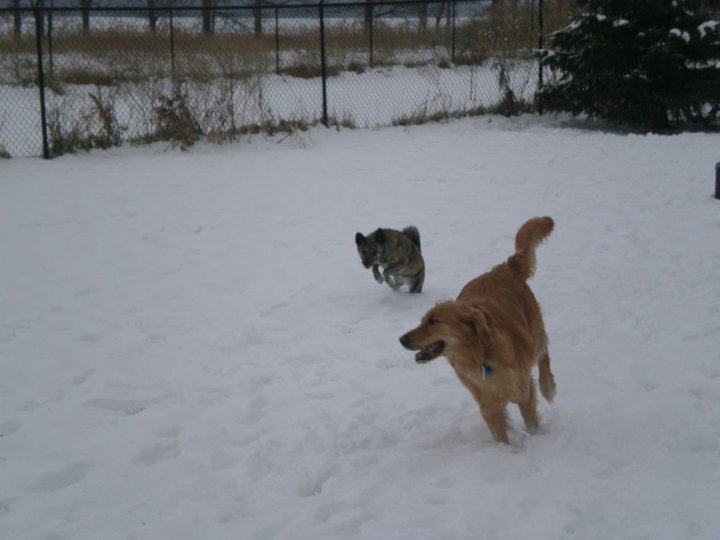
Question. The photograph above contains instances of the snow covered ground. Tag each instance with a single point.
(191, 349)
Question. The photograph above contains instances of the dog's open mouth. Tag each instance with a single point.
(430, 352)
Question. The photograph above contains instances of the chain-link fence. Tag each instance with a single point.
(85, 77)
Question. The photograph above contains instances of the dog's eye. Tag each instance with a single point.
(431, 321)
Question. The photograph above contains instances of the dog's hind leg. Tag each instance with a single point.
(528, 408)
(547, 381)
(417, 285)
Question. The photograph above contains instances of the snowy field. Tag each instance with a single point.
(191, 349)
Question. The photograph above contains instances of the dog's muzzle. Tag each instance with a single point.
(424, 354)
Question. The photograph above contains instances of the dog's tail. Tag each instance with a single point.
(413, 234)
(527, 239)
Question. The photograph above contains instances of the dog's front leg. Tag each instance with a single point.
(495, 417)
(493, 413)
(376, 273)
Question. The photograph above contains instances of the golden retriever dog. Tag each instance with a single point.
(493, 334)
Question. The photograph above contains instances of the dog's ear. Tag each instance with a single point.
(359, 239)
(380, 236)
(479, 322)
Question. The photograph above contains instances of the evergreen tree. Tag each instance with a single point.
(646, 63)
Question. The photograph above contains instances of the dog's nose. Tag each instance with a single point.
(404, 340)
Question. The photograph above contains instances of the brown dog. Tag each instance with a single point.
(493, 334)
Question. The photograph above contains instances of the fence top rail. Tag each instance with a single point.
(251, 7)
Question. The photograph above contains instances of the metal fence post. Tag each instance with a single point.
(17, 19)
(51, 69)
(277, 42)
(371, 24)
(454, 32)
(41, 80)
(717, 180)
(323, 63)
(172, 44)
(541, 30)
(152, 17)
(85, 15)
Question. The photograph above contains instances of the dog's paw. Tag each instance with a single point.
(548, 390)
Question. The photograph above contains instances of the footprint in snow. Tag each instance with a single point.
(124, 406)
(62, 478)
(90, 338)
(8, 428)
(269, 311)
(87, 292)
(5, 505)
(169, 432)
(254, 412)
(82, 377)
(157, 452)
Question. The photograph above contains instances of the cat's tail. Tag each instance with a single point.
(413, 234)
